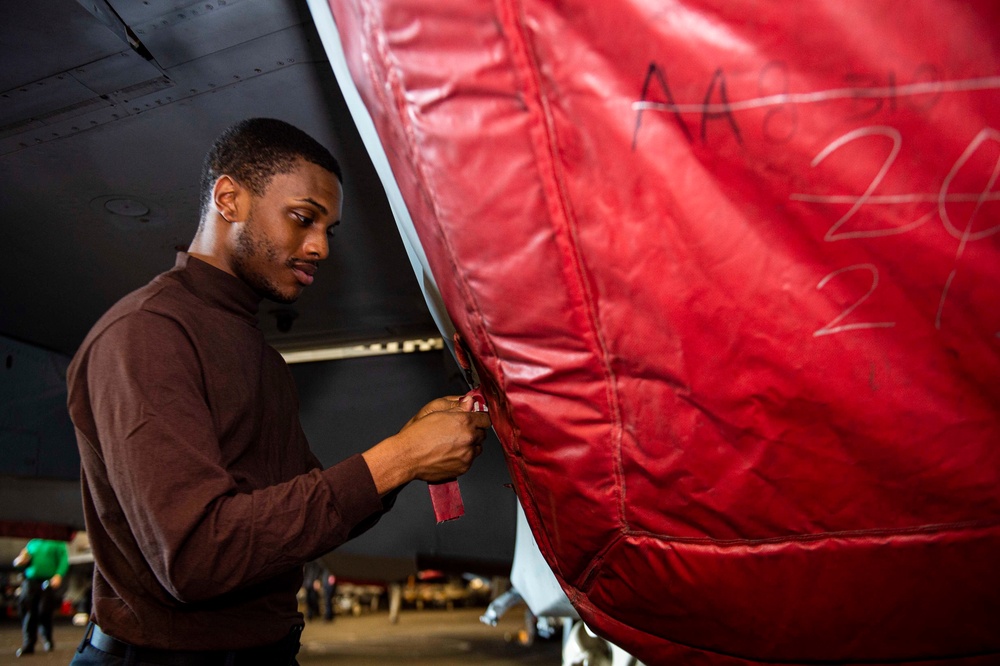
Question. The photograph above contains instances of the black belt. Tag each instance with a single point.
(281, 653)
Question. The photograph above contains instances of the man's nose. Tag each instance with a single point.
(316, 245)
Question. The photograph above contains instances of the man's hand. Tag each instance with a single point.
(439, 443)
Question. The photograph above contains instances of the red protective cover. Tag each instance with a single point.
(729, 271)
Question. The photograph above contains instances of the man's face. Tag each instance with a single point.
(279, 246)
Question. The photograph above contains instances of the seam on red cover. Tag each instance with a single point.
(682, 653)
(475, 321)
(589, 574)
(971, 525)
(393, 87)
(525, 65)
(393, 78)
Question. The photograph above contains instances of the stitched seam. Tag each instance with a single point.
(395, 80)
(526, 69)
(591, 608)
(978, 525)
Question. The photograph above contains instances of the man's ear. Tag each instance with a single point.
(227, 199)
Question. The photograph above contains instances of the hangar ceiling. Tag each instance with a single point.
(106, 110)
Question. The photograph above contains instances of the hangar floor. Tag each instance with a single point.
(420, 638)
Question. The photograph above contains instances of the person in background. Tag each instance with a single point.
(46, 565)
(329, 590)
(312, 585)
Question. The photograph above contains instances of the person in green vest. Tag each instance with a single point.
(46, 564)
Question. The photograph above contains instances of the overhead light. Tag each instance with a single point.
(126, 206)
(127, 212)
(362, 350)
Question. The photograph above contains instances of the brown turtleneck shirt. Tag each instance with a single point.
(201, 496)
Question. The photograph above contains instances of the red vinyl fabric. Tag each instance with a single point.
(729, 272)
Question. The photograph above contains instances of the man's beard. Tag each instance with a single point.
(251, 247)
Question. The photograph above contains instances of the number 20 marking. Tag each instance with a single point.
(833, 326)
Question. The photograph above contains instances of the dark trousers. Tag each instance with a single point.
(91, 656)
(312, 603)
(328, 590)
(37, 603)
(122, 654)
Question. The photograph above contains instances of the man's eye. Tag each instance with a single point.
(304, 220)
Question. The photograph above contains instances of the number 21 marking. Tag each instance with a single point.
(834, 326)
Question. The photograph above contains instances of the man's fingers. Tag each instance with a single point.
(480, 419)
(440, 404)
(447, 403)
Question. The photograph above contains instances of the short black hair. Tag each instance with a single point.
(256, 149)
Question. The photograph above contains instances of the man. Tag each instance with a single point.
(46, 565)
(201, 495)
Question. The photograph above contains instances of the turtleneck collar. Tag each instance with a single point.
(217, 287)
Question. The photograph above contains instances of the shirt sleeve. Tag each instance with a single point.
(199, 535)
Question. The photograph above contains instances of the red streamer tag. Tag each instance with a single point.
(447, 500)
(447, 497)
